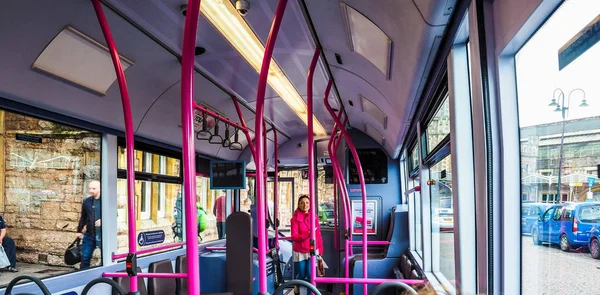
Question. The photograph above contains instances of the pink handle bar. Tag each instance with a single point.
(369, 242)
(225, 248)
(145, 251)
(364, 281)
(146, 275)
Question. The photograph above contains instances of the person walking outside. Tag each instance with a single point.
(91, 220)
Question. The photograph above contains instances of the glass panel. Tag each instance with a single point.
(212, 210)
(439, 126)
(46, 170)
(286, 199)
(413, 161)
(149, 162)
(416, 196)
(442, 220)
(559, 122)
(149, 218)
(326, 193)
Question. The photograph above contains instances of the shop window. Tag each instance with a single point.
(46, 170)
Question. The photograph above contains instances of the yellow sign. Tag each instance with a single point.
(576, 183)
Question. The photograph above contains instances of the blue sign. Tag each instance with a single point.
(584, 40)
(151, 238)
(591, 181)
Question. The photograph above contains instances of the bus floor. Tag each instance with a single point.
(36, 270)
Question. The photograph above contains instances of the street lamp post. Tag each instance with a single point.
(564, 109)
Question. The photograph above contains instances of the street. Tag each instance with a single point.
(548, 270)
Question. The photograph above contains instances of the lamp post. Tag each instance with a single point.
(564, 109)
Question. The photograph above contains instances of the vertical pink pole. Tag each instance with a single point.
(311, 161)
(188, 150)
(276, 188)
(258, 160)
(363, 188)
(129, 139)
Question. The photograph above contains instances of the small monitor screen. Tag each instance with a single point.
(227, 175)
(374, 163)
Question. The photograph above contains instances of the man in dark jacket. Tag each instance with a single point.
(91, 220)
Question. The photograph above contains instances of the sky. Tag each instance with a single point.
(537, 68)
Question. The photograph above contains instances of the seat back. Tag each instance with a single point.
(181, 267)
(390, 231)
(239, 253)
(161, 286)
(124, 283)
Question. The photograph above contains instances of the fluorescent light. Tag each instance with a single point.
(223, 15)
(367, 39)
(80, 60)
(373, 110)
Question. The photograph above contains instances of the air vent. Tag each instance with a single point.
(367, 39)
(373, 110)
(374, 133)
(79, 59)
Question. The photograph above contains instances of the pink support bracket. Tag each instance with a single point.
(365, 281)
(246, 130)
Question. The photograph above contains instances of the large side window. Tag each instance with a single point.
(559, 119)
(46, 170)
(158, 193)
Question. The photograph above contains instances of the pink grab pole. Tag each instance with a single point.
(129, 139)
(188, 147)
(259, 154)
(311, 162)
(363, 188)
(276, 188)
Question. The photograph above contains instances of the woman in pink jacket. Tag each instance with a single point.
(301, 233)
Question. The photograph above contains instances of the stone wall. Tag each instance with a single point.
(45, 184)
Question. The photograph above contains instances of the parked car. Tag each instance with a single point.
(568, 225)
(594, 244)
(443, 219)
(530, 212)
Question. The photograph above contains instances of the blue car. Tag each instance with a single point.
(530, 213)
(568, 225)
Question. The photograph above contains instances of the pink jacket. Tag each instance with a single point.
(301, 232)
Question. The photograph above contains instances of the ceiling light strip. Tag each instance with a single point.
(224, 17)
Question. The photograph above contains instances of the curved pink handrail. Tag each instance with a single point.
(188, 146)
(259, 153)
(129, 138)
(363, 188)
(311, 159)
